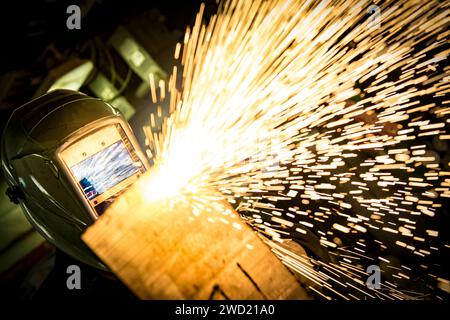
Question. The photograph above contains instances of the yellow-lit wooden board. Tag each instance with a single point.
(174, 253)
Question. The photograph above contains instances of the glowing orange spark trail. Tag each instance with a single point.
(306, 102)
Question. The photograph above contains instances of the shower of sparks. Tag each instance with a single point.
(314, 122)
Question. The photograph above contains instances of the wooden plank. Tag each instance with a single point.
(163, 251)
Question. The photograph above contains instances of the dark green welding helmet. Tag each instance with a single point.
(66, 157)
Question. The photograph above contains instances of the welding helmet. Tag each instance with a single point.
(66, 157)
